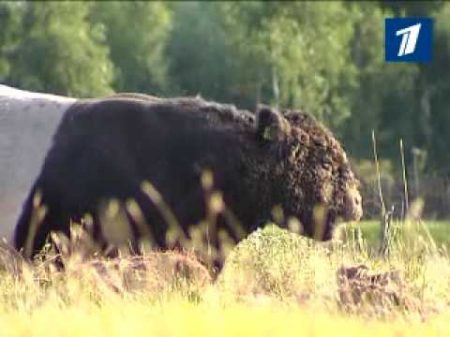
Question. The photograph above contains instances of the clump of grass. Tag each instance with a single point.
(273, 261)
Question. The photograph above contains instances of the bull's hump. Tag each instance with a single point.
(131, 106)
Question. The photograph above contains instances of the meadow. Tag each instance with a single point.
(439, 230)
(274, 283)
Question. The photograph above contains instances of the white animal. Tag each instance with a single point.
(28, 121)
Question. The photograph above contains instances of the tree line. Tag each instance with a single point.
(326, 58)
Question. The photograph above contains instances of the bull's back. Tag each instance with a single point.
(107, 148)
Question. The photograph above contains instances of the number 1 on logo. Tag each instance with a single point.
(409, 39)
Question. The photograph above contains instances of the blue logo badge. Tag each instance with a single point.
(408, 39)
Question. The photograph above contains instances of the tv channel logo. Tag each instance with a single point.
(408, 39)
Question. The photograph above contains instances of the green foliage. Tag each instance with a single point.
(382, 99)
(295, 55)
(326, 58)
(60, 52)
(136, 33)
(413, 8)
(399, 101)
(200, 59)
(10, 18)
(433, 94)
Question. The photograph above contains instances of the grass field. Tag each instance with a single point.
(274, 283)
(181, 318)
(439, 230)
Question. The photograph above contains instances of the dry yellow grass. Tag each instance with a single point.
(274, 283)
(132, 317)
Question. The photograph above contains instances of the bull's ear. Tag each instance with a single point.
(270, 124)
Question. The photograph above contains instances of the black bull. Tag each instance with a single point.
(135, 149)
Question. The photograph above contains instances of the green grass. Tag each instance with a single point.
(439, 230)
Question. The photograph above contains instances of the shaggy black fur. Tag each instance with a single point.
(105, 148)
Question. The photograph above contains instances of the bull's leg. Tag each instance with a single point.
(39, 217)
(149, 222)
